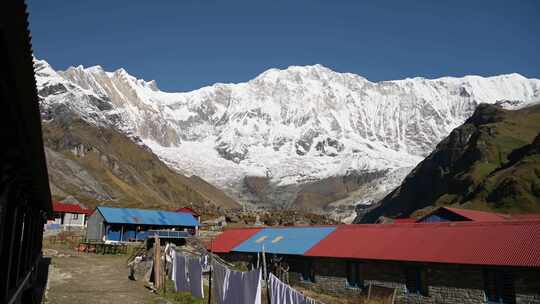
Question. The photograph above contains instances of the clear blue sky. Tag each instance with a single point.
(186, 44)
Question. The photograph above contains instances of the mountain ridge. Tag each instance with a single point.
(491, 162)
(293, 127)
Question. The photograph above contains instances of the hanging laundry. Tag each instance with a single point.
(179, 273)
(258, 257)
(206, 265)
(195, 277)
(281, 293)
(236, 287)
(169, 256)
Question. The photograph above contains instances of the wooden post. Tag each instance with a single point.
(157, 263)
(369, 291)
(268, 298)
(165, 270)
(394, 295)
(264, 263)
(210, 273)
(164, 274)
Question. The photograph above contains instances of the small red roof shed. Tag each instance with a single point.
(477, 216)
(456, 214)
(70, 208)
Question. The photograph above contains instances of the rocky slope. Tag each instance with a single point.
(301, 137)
(491, 162)
(102, 166)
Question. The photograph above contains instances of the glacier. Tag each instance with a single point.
(292, 126)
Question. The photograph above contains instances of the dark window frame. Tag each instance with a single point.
(499, 287)
(354, 274)
(416, 280)
(308, 273)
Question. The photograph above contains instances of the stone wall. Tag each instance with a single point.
(459, 284)
(527, 286)
(446, 283)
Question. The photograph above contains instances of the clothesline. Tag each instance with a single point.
(187, 274)
(281, 293)
(229, 285)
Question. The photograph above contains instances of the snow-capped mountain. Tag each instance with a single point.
(291, 127)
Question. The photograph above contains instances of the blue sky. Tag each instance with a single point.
(187, 44)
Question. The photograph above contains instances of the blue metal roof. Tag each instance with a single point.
(146, 217)
(295, 240)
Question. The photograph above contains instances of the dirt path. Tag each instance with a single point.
(91, 278)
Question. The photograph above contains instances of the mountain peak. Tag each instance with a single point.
(292, 126)
(90, 69)
(297, 73)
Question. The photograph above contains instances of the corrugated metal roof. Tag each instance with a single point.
(295, 240)
(510, 243)
(477, 216)
(146, 217)
(523, 217)
(231, 238)
(70, 208)
(472, 215)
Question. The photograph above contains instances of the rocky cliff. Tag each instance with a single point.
(491, 162)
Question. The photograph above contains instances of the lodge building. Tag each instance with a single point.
(443, 261)
(108, 224)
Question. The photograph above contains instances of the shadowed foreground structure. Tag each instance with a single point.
(24, 189)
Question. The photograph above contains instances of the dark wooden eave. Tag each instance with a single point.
(21, 102)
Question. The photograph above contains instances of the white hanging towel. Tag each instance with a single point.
(195, 277)
(236, 287)
(281, 293)
(179, 273)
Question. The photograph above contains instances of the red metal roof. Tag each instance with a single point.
(231, 238)
(523, 217)
(70, 208)
(509, 243)
(477, 216)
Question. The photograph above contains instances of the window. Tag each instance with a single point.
(75, 216)
(308, 273)
(499, 287)
(416, 281)
(354, 274)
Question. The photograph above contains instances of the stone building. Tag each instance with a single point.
(442, 262)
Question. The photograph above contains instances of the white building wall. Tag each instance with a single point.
(74, 220)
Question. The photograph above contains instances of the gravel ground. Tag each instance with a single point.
(90, 278)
